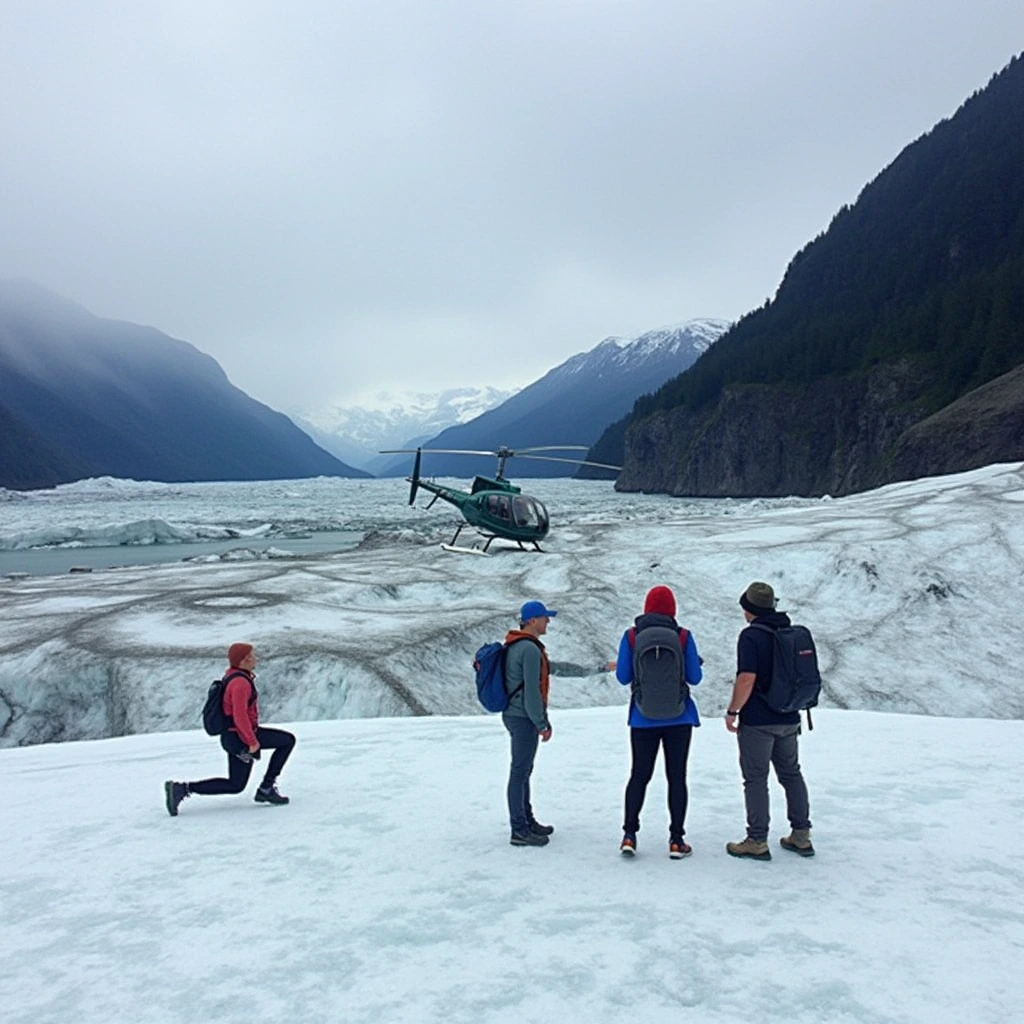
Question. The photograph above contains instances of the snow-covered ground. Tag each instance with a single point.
(387, 891)
(913, 592)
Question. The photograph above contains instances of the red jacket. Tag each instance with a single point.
(242, 704)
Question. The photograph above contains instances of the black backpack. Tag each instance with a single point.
(796, 681)
(659, 677)
(215, 721)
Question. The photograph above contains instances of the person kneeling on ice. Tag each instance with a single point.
(242, 740)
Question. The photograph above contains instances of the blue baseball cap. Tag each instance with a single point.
(535, 610)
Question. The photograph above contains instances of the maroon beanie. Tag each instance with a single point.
(237, 653)
(660, 601)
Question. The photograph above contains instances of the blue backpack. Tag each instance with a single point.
(489, 666)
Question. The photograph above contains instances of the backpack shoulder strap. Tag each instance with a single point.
(234, 674)
(504, 659)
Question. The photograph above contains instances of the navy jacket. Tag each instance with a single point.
(755, 653)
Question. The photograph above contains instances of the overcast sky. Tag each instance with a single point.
(332, 198)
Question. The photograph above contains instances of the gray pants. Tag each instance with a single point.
(524, 749)
(761, 745)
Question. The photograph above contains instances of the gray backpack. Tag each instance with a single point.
(659, 677)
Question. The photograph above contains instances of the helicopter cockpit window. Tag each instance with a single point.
(528, 512)
(498, 505)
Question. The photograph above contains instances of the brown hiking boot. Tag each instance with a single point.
(755, 849)
(799, 841)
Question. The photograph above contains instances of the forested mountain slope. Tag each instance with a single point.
(912, 299)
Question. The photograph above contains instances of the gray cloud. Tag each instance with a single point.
(330, 198)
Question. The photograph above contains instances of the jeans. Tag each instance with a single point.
(644, 743)
(524, 749)
(278, 740)
(761, 745)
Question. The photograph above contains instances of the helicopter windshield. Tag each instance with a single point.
(529, 512)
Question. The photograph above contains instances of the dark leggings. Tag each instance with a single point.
(278, 740)
(675, 740)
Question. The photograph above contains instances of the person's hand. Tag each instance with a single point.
(254, 748)
(610, 666)
(732, 723)
(545, 734)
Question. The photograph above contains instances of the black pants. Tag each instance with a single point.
(675, 741)
(278, 740)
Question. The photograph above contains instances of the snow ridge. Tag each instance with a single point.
(694, 336)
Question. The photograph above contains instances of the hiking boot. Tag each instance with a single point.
(541, 830)
(528, 838)
(678, 849)
(755, 849)
(174, 793)
(269, 795)
(628, 845)
(799, 841)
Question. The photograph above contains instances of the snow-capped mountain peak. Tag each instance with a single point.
(572, 403)
(389, 419)
(692, 336)
(575, 402)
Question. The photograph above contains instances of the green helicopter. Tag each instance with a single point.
(494, 507)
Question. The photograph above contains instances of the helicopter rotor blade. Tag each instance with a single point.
(522, 453)
(441, 451)
(573, 462)
(551, 448)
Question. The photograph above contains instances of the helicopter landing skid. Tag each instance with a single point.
(455, 549)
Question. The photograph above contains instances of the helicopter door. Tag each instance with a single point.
(528, 511)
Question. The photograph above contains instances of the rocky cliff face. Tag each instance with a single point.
(984, 427)
(836, 437)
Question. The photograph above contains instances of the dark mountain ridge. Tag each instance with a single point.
(83, 396)
(911, 299)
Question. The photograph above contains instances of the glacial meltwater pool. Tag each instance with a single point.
(58, 560)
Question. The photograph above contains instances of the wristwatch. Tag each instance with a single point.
(731, 714)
